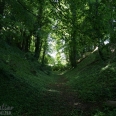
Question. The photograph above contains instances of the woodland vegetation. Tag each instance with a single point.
(74, 27)
(40, 39)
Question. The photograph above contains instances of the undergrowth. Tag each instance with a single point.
(95, 81)
(22, 83)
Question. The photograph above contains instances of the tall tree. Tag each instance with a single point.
(2, 7)
(39, 24)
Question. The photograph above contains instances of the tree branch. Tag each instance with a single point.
(24, 7)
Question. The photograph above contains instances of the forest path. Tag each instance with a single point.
(64, 101)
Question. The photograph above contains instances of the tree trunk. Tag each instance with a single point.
(2, 6)
(111, 103)
(38, 43)
(43, 56)
(26, 42)
(73, 44)
(73, 53)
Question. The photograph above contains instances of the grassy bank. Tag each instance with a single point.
(95, 82)
(22, 82)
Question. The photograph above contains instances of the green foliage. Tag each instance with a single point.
(76, 27)
(22, 82)
(94, 81)
(59, 67)
(107, 112)
(15, 63)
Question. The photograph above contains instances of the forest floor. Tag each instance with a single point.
(64, 101)
(33, 92)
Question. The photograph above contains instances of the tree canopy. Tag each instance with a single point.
(65, 29)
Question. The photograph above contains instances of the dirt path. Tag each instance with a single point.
(61, 100)
(64, 101)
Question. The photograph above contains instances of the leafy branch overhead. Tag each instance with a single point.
(78, 26)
